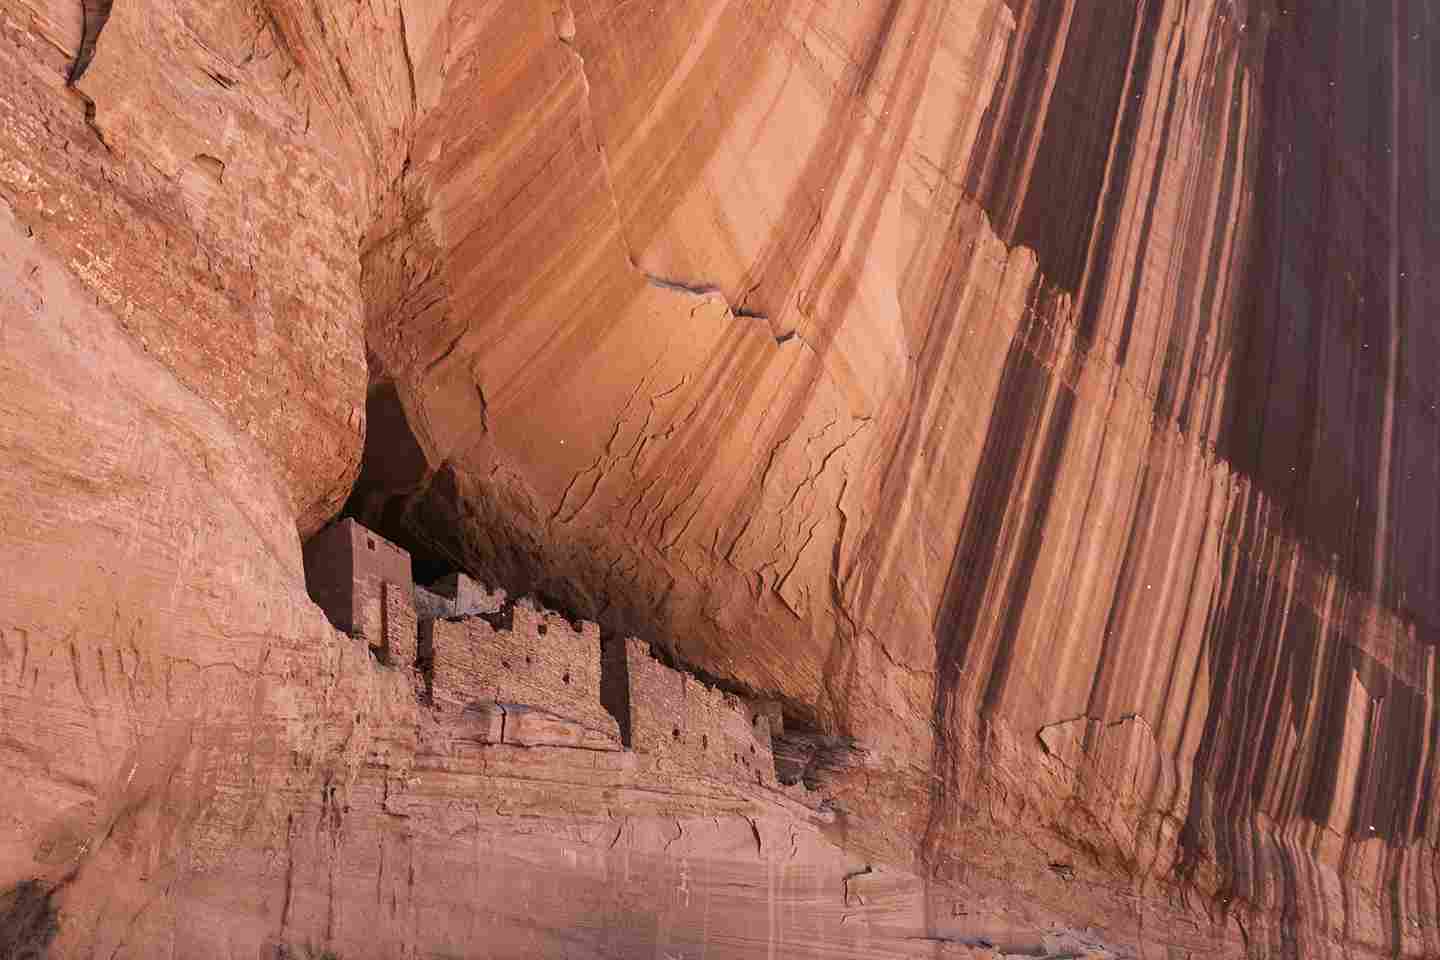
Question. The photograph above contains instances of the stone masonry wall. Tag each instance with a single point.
(536, 680)
(540, 661)
(468, 597)
(691, 726)
(445, 657)
(432, 606)
(346, 569)
(375, 562)
(400, 625)
(456, 595)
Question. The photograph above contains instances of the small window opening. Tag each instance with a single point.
(370, 542)
(565, 679)
(675, 733)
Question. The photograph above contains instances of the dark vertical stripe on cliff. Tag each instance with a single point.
(1017, 585)
(1013, 119)
(970, 665)
(1311, 378)
(1023, 385)
(1147, 226)
(1303, 719)
(1107, 220)
(1055, 210)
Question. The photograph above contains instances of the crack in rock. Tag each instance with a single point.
(96, 13)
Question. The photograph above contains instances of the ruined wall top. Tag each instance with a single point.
(690, 725)
(539, 659)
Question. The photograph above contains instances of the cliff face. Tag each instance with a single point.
(1039, 393)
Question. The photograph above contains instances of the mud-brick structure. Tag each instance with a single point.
(537, 658)
(683, 722)
(364, 584)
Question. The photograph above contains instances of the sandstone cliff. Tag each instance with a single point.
(1038, 394)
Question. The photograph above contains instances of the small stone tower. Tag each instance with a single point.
(364, 584)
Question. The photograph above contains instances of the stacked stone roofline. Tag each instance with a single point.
(517, 674)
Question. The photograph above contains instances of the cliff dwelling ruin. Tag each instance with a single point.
(525, 676)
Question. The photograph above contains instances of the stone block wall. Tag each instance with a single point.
(376, 562)
(456, 595)
(685, 723)
(432, 606)
(467, 597)
(529, 673)
(346, 568)
(400, 626)
(773, 714)
(539, 660)
(444, 655)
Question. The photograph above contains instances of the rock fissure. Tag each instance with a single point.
(94, 15)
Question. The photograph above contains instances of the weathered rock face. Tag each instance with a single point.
(1038, 394)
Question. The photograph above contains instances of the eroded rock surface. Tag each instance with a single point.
(1035, 400)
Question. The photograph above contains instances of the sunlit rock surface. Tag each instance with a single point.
(1038, 398)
